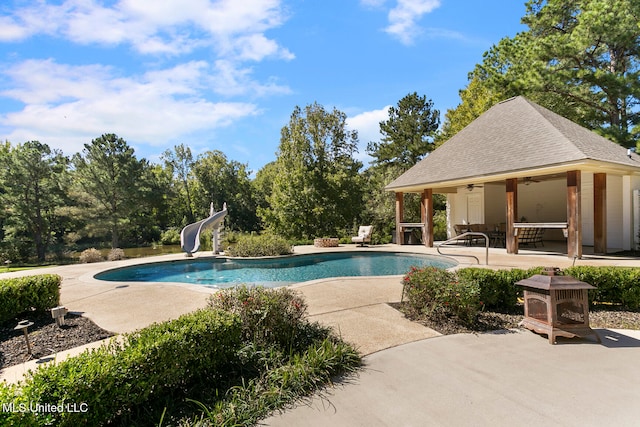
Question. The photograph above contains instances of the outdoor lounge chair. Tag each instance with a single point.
(364, 235)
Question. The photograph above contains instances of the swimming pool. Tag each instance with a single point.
(272, 272)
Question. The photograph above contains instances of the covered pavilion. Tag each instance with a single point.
(521, 165)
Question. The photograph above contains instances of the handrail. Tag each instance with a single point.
(468, 233)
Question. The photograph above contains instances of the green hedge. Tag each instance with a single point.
(131, 375)
(22, 294)
(615, 285)
(498, 290)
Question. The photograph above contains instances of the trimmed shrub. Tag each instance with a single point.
(91, 255)
(116, 254)
(119, 379)
(615, 285)
(498, 290)
(146, 378)
(22, 294)
(438, 293)
(268, 315)
(258, 246)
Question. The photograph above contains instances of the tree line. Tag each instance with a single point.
(106, 195)
(579, 59)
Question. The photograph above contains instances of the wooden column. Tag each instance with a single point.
(600, 213)
(511, 240)
(574, 215)
(426, 213)
(399, 217)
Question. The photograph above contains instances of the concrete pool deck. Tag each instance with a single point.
(407, 380)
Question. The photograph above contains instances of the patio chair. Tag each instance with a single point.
(460, 229)
(364, 235)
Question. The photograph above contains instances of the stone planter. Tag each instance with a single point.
(326, 242)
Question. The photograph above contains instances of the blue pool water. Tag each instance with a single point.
(225, 273)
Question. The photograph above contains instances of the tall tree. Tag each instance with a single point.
(316, 186)
(180, 162)
(34, 190)
(476, 98)
(144, 224)
(580, 58)
(109, 172)
(407, 134)
(221, 181)
(262, 186)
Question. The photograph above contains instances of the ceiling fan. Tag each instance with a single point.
(470, 187)
(528, 180)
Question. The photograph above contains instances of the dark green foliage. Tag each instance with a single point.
(22, 294)
(580, 59)
(438, 293)
(146, 366)
(258, 246)
(268, 316)
(233, 367)
(179, 163)
(498, 290)
(108, 171)
(285, 357)
(316, 188)
(407, 134)
(615, 285)
(34, 188)
(219, 181)
(170, 237)
(283, 384)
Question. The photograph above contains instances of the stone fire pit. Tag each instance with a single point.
(326, 242)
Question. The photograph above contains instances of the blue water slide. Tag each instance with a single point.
(190, 235)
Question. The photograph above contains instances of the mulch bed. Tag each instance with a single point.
(46, 337)
(606, 317)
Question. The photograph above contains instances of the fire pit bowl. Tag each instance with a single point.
(556, 306)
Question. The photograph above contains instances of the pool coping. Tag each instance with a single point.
(266, 259)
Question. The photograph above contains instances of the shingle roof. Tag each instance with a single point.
(513, 135)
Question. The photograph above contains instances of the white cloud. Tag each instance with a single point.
(256, 47)
(231, 80)
(68, 106)
(150, 26)
(10, 30)
(368, 126)
(403, 18)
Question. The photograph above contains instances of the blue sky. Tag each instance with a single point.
(227, 74)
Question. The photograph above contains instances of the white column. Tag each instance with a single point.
(627, 214)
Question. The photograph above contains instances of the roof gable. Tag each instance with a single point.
(513, 135)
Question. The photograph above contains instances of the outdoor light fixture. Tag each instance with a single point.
(58, 314)
(23, 325)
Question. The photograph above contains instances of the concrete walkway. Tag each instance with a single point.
(508, 379)
(488, 379)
